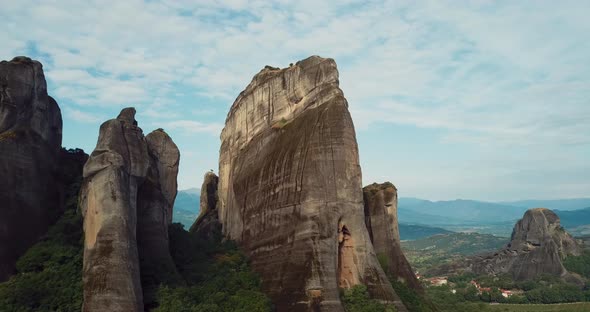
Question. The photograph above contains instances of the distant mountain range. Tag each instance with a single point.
(421, 218)
(186, 207)
(487, 217)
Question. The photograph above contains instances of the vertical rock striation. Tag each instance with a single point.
(382, 224)
(290, 188)
(30, 142)
(126, 198)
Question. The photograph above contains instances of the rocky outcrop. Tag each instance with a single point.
(207, 224)
(290, 188)
(126, 199)
(30, 143)
(538, 246)
(382, 224)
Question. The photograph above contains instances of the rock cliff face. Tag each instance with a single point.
(538, 246)
(290, 188)
(382, 224)
(126, 199)
(30, 142)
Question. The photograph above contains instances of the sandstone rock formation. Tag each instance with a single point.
(207, 224)
(537, 246)
(382, 224)
(126, 199)
(290, 188)
(30, 142)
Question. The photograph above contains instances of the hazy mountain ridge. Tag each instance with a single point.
(186, 207)
(420, 218)
(489, 217)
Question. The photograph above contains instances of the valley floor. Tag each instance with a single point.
(562, 307)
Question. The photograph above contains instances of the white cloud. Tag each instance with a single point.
(192, 127)
(83, 117)
(480, 73)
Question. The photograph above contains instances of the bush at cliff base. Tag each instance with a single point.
(357, 299)
(217, 277)
(49, 274)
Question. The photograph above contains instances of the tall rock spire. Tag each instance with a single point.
(126, 198)
(290, 188)
(30, 142)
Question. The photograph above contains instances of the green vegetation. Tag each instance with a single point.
(482, 307)
(411, 299)
(430, 252)
(543, 290)
(216, 275)
(356, 299)
(280, 124)
(7, 135)
(579, 264)
(49, 274)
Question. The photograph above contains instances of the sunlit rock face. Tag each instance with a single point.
(31, 194)
(382, 224)
(127, 198)
(290, 188)
(538, 246)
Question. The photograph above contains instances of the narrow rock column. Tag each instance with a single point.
(207, 224)
(108, 199)
(382, 223)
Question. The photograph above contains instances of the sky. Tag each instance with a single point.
(486, 100)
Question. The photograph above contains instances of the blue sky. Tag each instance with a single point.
(484, 100)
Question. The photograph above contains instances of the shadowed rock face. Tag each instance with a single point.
(207, 224)
(290, 188)
(382, 224)
(126, 198)
(538, 246)
(30, 141)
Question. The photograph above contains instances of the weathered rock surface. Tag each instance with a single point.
(538, 246)
(126, 198)
(30, 142)
(155, 200)
(290, 188)
(207, 223)
(382, 224)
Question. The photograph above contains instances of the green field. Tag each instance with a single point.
(427, 253)
(564, 307)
